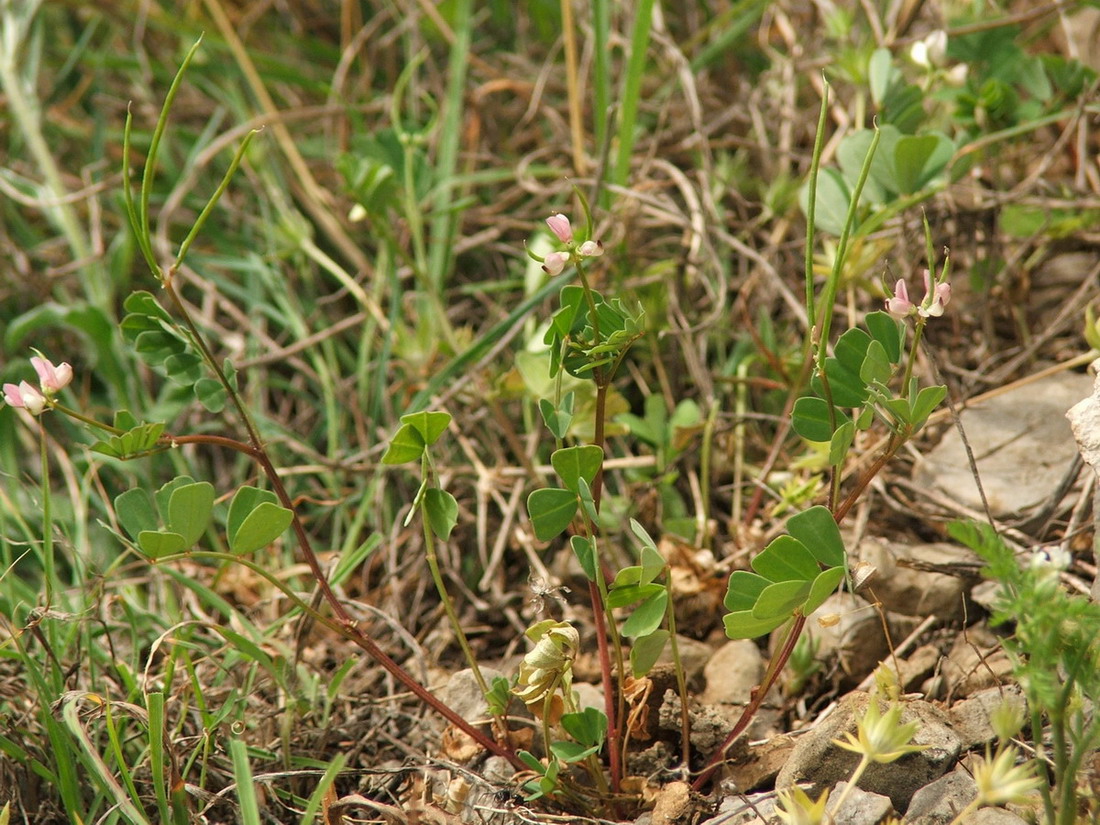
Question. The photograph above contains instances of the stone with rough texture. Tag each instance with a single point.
(861, 807)
(752, 767)
(744, 809)
(975, 662)
(941, 801)
(970, 717)
(674, 804)
(463, 695)
(694, 656)
(1022, 443)
(855, 640)
(732, 672)
(819, 762)
(993, 816)
(920, 590)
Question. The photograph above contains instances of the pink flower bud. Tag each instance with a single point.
(51, 378)
(900, 306)
(591, 249)
(555, 262)
(25, 396)
(559, 225)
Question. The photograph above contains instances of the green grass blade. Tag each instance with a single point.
(246, 791)
(97, 766)
(446, 218)
(632, 89)
(309, 815)
(482, 346)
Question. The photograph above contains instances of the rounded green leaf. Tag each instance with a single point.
(189, 510)
(557, 418)
(822, 588)
(631, 593)
(876, 366)
(574, 463)
(406, 445)
(647, 616)
(210, 393)
(781, 599)
(840, 442)
(245, 500)
(810, 419)
(136, 512)
(919, 159)
(816, 528)
(429, 425)
(260, 527)
(888, 331)
(743, 589)
(646, 651)
(588, 727)
(442, 511)
(786, 559)
(551, 511)
(159, 543)
(926, 401)
(743, 625)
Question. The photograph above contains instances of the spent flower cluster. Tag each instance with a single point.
(51, 380)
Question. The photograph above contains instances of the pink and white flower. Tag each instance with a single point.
(52, 379)
(935, 299)
(555, 262)
(590, 249)
(560, 226)
(899, 305)
(25, 396)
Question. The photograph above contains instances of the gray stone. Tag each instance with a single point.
(819, 762)
(970, 717)
(920, 590)
(589, 696)
(861, 807)
(993, 816)
(463, 695)
(975, 662)
(744, 809)
(941, 801)
(1021, 441)
(855, 641)
(732, 672)
(694, 656)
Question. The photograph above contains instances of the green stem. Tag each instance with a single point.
(852, 780)
(445, 597)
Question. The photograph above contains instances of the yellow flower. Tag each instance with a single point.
(881, 738)
(1001, 781)
(798, 809)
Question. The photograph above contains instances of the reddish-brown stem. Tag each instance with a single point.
(864, 480)
(608, 693)
(774, 669)
(779, 661)
(344, 618)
